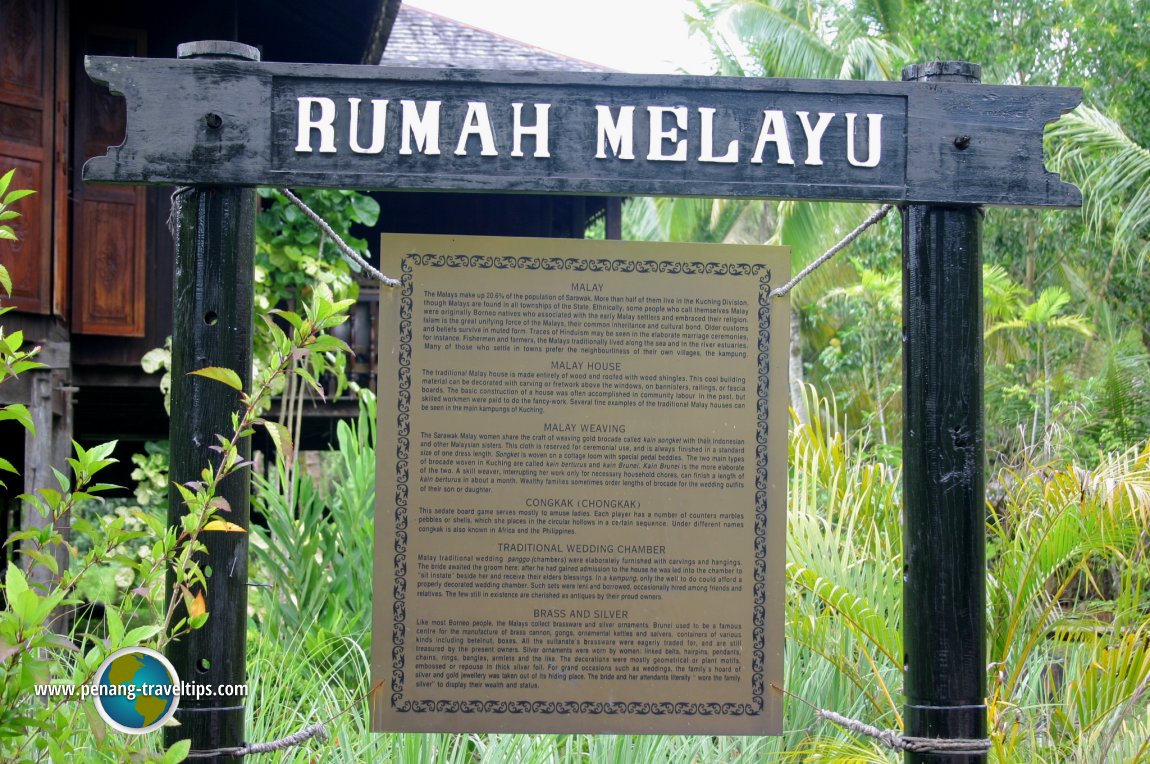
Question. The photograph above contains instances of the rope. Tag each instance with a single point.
(894, 739)
(356, 258)
(347, 251)
(307, 733)
(317, 730)
(178, 195)
(874, 218)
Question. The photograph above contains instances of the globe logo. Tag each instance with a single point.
(136, 690)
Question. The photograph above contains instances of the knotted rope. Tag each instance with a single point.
(307, 733)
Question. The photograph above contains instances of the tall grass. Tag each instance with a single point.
(315, 554)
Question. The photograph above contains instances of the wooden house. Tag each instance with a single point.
(93, 267)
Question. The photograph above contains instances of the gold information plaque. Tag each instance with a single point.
(580, 522)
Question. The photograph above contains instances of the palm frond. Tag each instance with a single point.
(1094, 151)
(704, 25)
(865, 618)
(1111, 686)
(778, 43)
(887, 16)
(870, 58)
(641, 220)
(1122, 481)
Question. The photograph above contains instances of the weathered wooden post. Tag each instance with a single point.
(215, 247)
(944, 604)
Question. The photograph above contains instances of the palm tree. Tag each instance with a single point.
(1038, 319)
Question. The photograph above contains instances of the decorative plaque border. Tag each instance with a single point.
(755, 705)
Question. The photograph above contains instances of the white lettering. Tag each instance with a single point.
(378, 126)
(425, 129)
(477, 123)
(874, 140)
(815, 135)
(323, 124)
(539, 130)
(707, 143)
(660, 135)
(618, 134)
(774, 131)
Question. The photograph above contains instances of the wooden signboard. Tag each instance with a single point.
(582, 479)
(267, 124)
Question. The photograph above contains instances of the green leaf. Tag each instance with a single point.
(155, 359)
(5, 280)
(7, 233)
(140, 634)
(366, 209)
(6, 181)
(7, 467)
(43, 558)
(17, 195)
(221, 374)
(177, 753)
(18, 412)
(14, 582)
(115, 627)
(101, 452)
(185, 493)
(62, 479)
(9, 215)
(287, 315)
(19, 367)
(281, 438)
(26, 606)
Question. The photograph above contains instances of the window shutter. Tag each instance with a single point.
(109, 277)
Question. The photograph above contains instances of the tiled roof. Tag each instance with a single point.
(425, 39)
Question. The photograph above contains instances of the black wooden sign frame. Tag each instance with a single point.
(269, 124)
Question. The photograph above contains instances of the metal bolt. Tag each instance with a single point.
(213, 121)
(962, 142)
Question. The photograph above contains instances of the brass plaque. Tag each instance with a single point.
(580, 522)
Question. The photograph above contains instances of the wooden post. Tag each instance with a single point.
(215, 249)
(944, 603)
(50, 405)
(613, 219)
